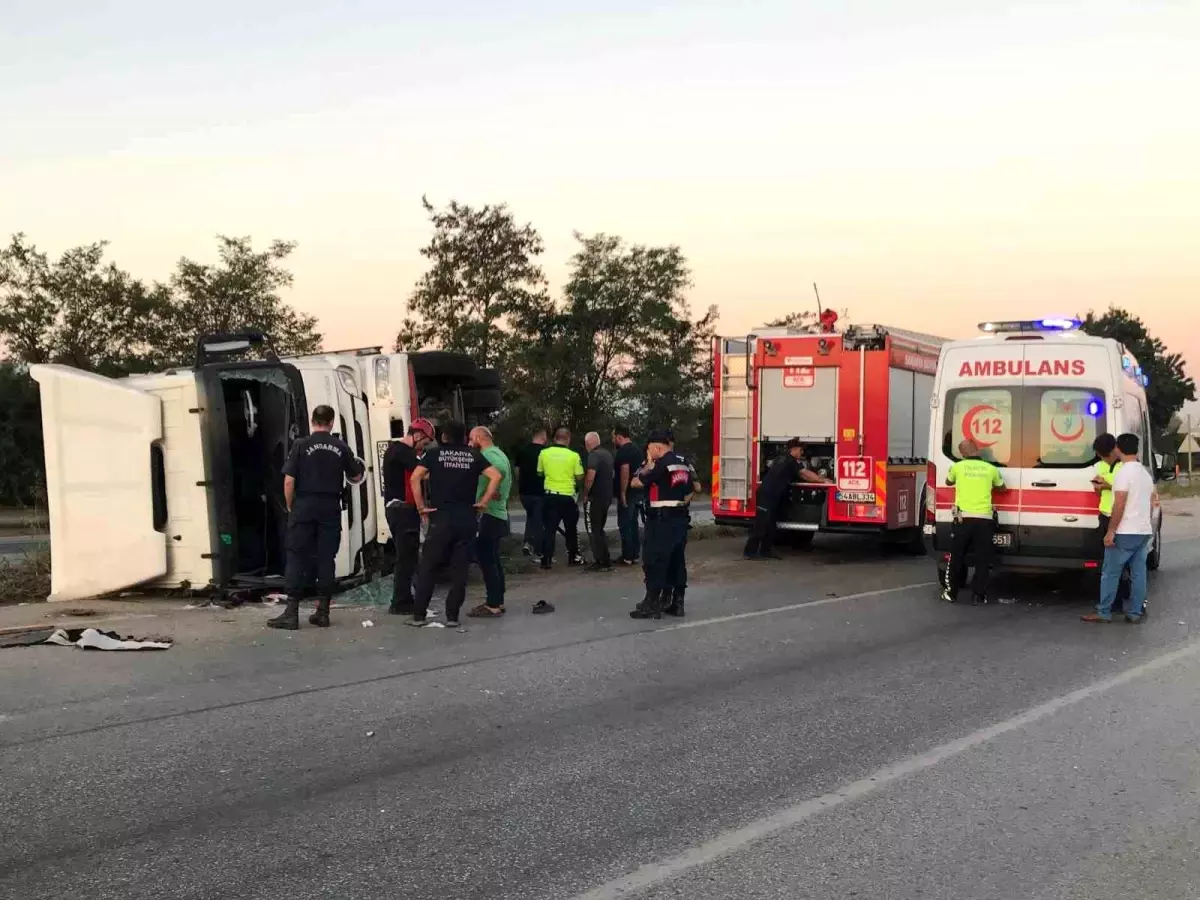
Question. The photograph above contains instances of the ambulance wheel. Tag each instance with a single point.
(913, 542)
(1154, 560)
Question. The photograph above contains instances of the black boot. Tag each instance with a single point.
(321, 617)
(650, 608)
(675, 605)
(289, 619)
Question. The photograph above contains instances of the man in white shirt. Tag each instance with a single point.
(1130, 535)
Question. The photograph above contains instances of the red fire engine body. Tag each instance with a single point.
(859, 399)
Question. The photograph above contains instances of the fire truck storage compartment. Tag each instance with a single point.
(263, 414)
(808, 411)
(909, 394)
(803, 508)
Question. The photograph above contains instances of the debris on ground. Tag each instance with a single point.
(1007, 601)
(95, 639)
(367, 623)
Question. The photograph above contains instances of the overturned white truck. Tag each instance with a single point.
(175, 479)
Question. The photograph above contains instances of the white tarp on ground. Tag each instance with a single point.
(95, 639)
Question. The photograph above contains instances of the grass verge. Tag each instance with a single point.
(1189, 488)
(25, 579)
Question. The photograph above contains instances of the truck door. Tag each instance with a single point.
(105, 483)
(352, 495)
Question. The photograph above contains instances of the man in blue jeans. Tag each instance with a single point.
(1130, 534)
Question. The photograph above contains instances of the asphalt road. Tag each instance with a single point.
(816, 728)
(19, 544)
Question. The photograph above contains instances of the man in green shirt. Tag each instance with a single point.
(973, 480)
(493, 525)
(562, 469)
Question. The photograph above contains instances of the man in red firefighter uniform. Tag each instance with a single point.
(669, 481)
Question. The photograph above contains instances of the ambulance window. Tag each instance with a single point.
(987, 416)
(1068, 422)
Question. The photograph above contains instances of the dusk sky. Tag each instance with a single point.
(930, 166)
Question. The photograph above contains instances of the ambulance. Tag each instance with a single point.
(174, 479)
(1034, 395)
(858, 396)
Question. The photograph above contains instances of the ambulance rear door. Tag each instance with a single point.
(979, 397)
(1065, 407)
(105, 483)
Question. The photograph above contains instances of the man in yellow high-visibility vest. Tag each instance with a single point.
(973, 480)
(1107, 466)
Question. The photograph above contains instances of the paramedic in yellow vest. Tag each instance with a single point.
(973, 480)
(1108, 465)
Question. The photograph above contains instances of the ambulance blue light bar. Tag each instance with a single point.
(1049, 324)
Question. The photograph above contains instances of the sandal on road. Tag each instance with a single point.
(542, 607)
(483, 611)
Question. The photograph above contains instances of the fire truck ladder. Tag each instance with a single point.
(735, 424)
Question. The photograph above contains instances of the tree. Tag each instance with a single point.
(483, 286)
(239, 293)
(21, 474)
(76, 310)
(623, 344)
(1170, 387)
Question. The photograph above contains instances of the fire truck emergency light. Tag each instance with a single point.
(1050, 324)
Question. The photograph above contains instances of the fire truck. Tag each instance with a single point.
(859, 398)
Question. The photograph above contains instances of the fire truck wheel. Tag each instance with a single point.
(796, 539)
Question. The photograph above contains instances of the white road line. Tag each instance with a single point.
(824, 601)
(736, 839)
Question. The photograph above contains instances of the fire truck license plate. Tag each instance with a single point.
(854, 474)
(855, 497)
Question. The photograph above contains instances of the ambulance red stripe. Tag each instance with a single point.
(1034, 500)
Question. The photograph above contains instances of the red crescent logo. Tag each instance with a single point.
(969, 421)
(1066, 438)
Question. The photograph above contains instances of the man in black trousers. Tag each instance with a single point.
(453, 470)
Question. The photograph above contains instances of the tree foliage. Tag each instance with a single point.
(76, 310)
(483, 287)
(20, 437)
(80, 311)
(1170, 387)
(238, 293)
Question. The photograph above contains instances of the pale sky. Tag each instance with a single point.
(929, 165)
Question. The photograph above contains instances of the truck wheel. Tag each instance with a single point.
(913, 542)
(800, 540)
(1154, 560)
